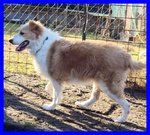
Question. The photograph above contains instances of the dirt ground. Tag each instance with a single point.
(25, 95)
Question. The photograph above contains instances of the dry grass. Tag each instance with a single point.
(22, 62)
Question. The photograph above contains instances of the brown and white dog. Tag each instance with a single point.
(62, 61)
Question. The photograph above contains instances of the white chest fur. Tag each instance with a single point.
(40, 62)
(40, 58)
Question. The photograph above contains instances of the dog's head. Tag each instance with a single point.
(28, 33)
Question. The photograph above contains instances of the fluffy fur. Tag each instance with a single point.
(62, 61)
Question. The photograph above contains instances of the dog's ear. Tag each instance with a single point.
(36, 27)
(32, 24)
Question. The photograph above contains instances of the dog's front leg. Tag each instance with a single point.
(57, 93)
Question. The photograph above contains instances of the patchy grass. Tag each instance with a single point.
(22, 62)
(17, 62)
(10, 29)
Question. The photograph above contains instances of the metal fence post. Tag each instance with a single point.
(85, 22)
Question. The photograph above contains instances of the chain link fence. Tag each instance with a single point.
(124, 24)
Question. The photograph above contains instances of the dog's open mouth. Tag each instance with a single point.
(22, 46)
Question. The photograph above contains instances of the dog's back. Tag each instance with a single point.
(86, 61)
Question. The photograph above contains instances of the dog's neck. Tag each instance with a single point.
(41, 46)
(44, 41)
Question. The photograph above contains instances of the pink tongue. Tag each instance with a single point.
(22, 46)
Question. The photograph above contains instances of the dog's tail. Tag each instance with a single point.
(136, 65)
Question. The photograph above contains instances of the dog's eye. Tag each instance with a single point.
(21, 33)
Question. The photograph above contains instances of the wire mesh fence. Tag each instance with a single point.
(124, 24)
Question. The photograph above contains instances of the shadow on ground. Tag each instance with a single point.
(23, 111)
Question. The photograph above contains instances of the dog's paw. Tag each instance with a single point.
(119, 120)
(81, 104)
(48, 107)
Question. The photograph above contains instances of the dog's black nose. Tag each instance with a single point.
(11, 40)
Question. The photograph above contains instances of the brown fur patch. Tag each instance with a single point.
(85, 61)
(36, 28)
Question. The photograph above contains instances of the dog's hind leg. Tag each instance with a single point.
(93, 98)
(57, 95)
(119, 99)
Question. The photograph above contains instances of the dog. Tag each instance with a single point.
(61, 61)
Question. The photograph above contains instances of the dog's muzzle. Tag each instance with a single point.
(22, 46)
